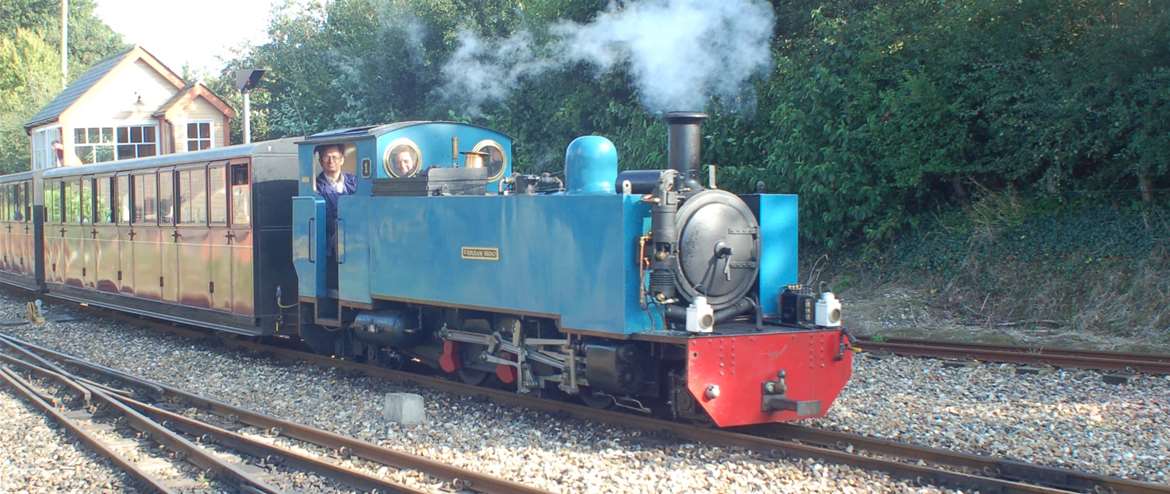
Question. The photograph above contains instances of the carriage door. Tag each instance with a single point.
(240, 218)
(84, 236)
(7, 255)
(107, 258)
(194, 253)
(52, 233)
(148, 238)
(123, 206)
(168, 278)
(21, 233)
(219, 238)
(28, 246)
(69, 262)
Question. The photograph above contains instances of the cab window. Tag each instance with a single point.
(347, 152)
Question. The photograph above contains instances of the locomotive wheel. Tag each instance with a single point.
(471, 376)
(320, 339)
(469, 353)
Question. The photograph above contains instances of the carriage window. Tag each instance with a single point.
(217, 211)
(69, 210)
(6, 203)
(26, 205)
(85, 212)
(192, 197)
(149, 196)
(9, 202)
(166, 198)
(7, 207)
(102, 198)
(48, 198)
(122, 205)
(53, 202)
(241, 199)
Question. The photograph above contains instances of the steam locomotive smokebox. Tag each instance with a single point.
(436, 181)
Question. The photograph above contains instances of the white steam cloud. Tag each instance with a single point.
(680, 53)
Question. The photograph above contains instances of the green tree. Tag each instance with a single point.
(30, 67)
(30, 75)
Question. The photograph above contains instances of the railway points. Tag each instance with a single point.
(959, 469)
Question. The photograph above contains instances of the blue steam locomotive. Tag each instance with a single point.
(642, 289)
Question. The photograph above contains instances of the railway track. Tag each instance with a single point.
(90, 400)
(1134, 362)
(924, 464)
(931, 465)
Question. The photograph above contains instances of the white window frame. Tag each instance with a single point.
(43, 156)
(113, 144)
(210, 134)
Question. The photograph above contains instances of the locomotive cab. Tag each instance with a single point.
(331, 246)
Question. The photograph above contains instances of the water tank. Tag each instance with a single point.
(591, 166)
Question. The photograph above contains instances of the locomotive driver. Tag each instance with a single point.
(331, 184)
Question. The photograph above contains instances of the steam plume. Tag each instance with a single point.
(679, 52)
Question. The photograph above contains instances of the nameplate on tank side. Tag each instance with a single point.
(480, 253)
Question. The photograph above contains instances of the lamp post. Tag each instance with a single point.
(246, 80)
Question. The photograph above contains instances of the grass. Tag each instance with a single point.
(1013, 267)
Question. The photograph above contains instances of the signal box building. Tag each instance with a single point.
(127, 106)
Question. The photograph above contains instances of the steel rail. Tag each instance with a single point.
(30, 395)
(464, 478)
(192, 453)
(765, 445)
(1017, 475)
(239, 442)
(999, 467)
(1153, 364)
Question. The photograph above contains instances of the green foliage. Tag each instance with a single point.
(879, 114)
(30, 74)
(888, 112)
(30, 64)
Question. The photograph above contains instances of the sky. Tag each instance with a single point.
(196, 34)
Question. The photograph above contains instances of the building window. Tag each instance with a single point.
(94, 144)
(44, 155)
(136, 142)
(198, 135)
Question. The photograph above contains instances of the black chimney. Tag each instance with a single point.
(686, 145)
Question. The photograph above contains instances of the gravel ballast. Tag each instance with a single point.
(1063, 418)
(36, 455)
(538, 449)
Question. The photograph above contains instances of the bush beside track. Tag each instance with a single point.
(1013, 269)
